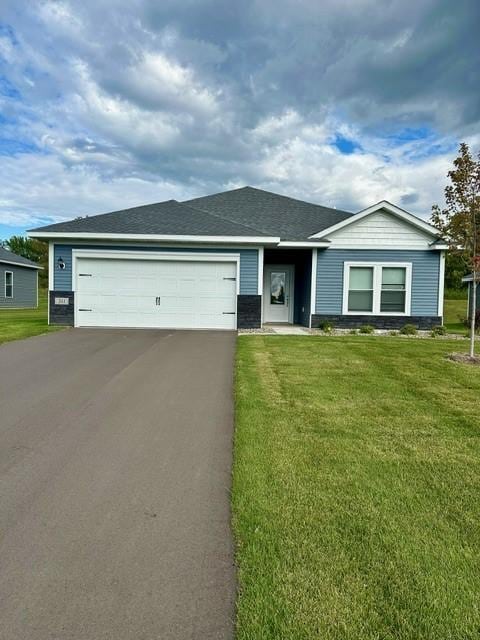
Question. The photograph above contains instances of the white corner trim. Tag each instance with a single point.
(261, 254)
(441, 283)
(313, 285)
(377, 288)
(155, 238)
(153, 255)
(51, 275)
(390, 208)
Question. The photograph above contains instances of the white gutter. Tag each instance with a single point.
(306, 245)
(20, 264)
(147, 237)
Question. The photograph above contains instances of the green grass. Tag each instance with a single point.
(453, 311)
(356, 491)
(23, 323)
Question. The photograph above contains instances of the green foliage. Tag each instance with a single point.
(438, 330)
(456, 266)
(408, 330)
(326, 326)
(353, 332)
(456, 294)
(459, 221)
(467, 321)
(31, 249)
(393, 333)
(366, 328)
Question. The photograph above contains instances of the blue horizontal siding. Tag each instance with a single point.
(25, 282)
(62, 280)
(425, 276)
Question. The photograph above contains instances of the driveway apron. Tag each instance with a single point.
(115, 472)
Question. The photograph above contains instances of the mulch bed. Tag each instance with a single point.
(464, 358)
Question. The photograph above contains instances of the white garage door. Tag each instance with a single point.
(155, 293)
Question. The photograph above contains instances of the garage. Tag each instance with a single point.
(168, 291)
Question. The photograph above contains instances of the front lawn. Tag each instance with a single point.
(22, 323)
(356, 491)
(454, 312)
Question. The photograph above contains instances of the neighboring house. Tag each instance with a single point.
(18, 281)
(469, 280)
(243, 258)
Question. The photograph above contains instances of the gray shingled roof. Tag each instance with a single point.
(271, 213)
(240, 212)
(9, 257)
(163, 218)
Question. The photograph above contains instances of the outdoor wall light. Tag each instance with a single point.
(61, 263)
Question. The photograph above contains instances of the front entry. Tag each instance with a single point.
(278, 293)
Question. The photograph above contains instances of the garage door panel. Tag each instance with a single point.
(160, 294)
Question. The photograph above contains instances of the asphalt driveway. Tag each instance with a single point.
(115, 459)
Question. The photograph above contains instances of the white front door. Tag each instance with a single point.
(278, 293)
(171, 294)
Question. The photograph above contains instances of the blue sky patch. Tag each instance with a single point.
(345, 145)
(6, 231)
(9, 147)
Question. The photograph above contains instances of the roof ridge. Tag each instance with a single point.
(225, 218)
(273, 193)
(106, 213)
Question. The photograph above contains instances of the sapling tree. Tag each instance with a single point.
(459, 220)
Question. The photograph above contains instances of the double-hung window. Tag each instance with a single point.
(377, 288)
(8, 284)
(360, 290)
(392, 297)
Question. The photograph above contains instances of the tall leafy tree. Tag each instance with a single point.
(459, 220)
(31, 249)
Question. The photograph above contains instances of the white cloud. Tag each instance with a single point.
(134, 101)
(41, 188)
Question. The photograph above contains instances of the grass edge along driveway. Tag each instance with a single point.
(356, 489)
(16, 324)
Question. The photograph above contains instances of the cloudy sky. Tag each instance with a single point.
(114, 103)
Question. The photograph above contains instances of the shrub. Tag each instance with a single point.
(326, 326)
(466, 322)
(393, 333)
(353, 332)
(366, 328)
(456, 294)
(438, 330)
(408, 330)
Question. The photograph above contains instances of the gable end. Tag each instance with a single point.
(380, 229)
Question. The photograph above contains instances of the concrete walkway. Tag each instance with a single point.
(289, 330)
(115, 462)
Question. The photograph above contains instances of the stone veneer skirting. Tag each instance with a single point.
(62, 313)
(249, 312)
(379, 322)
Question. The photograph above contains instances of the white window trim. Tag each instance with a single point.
(5, 285)
(377, 288)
